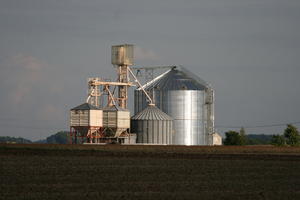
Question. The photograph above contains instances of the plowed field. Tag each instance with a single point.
(148, 172)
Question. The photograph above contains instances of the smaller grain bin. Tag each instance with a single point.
(86, 121)
(86, 115)
(116, 120)
(152, 126)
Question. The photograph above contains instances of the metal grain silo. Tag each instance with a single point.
(152, 126)
(86, 122)
(187, 99)
(116, 120)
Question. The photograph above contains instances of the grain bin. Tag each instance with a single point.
(152, 126)
(116, 120)
(187, 99)
(86, 121)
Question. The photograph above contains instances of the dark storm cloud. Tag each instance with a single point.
(247, 49)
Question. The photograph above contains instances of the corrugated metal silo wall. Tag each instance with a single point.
(153, 131)
(187, 108)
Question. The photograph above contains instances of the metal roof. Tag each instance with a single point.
(177, 78)
(151, 113)
(85, 106)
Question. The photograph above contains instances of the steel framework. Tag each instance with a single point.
(93, 135)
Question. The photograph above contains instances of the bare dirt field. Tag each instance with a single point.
(148, 172)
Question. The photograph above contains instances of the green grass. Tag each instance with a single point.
(148, 172)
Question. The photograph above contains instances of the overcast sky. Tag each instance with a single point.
(249, 50)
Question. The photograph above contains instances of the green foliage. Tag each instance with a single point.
(14, 140)
(278, 140)
(259, 139)
(58, 138)
(233, 138)
(243, 137)
(240, 138)
(291, 135)
(44, 141)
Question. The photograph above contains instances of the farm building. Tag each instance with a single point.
(176, 107)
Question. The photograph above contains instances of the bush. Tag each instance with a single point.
(278, 140)
(233, 138)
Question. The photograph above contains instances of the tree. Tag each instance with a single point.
(232, 138)
(278, 140)
(259, 139)
(291, 135)
(19, 140)
(58, 138)
(243, 136)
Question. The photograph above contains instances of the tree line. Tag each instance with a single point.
(290, 137)
(60, 137)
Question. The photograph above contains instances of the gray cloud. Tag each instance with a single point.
(23, 72)
(142, 54)
(28, 94)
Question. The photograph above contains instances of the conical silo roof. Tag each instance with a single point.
(151, 113)
(85, 106)
(177, 78)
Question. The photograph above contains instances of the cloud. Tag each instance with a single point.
(31, 91)
(19, 93)
(49, 111)
(21, 73)
(27, 62)
(28, 89)
(145, 54)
